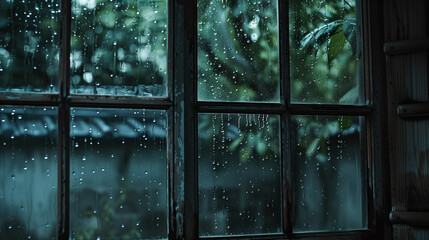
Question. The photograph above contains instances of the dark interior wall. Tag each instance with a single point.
(406, 48)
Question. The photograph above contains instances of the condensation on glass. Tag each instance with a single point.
(118, 174)
(328, 188)
(239, 171)
(238, 51)
(29, 46)
(119, 47)
(28, 173)
(324, 50)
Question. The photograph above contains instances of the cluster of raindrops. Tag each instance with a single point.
(29, 49)
(119, 157)
(326, 155)
(238, 53)
(234, 175)
(119, 47)
(29, 164)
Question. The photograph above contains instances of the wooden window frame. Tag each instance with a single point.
(375, 163)
(182, 108)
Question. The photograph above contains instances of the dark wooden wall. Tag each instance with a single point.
(406, 28)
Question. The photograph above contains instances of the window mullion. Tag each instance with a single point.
(216, 107)
(329, 109)
(185, 169)
(283, 22)
(64, 125)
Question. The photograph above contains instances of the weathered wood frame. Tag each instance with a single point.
(374, 177)
(182, 108)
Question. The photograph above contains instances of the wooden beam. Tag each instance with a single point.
(413, 110)
(405, 47)
(409, 218)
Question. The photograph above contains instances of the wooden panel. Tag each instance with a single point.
(410, 218)
(408, 46)
(408, 139)
(407, 83)
(405, 19)
(413, 165)
(409, 78)
(404, 232)
(413, 110)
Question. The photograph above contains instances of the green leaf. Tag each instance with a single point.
(350, 97)
(329, 128)
(336, 43)
(261, 145)
(320, 35)
(312, 148)
(234, 144)
(321, 157)
(349, 29)
(202, 124)
(345, 122)
(245, 154)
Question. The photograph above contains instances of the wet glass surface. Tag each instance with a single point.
(324, 52)
(328, 187)
(118, 174)
(28, 173)
(238, 51)
(239, 174)
(29, 46)
(119, 47)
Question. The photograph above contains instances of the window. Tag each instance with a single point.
(156, 119)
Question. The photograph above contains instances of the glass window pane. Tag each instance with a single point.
(28, 173)
(118, 185)
(29, 46)
(238, 51)
(328, 187)
(324, 52)
(119, 47)
(239, 174)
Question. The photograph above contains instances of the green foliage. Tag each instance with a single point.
(238, 53)
(323, 51)
(105, 217)
(324, 33)
(120, 43)
(29, 50)
(336, 43)
(320, 35)
(247, 136)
